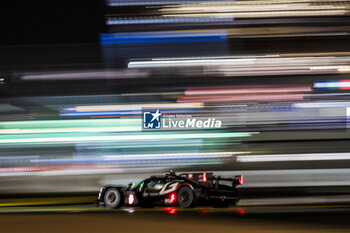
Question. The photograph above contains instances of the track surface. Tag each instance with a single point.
(239, 219)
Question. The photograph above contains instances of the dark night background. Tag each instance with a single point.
(50, 22)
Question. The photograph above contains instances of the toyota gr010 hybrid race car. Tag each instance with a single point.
(185, 190)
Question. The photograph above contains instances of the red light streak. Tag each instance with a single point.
(171, 210)
(241, 211)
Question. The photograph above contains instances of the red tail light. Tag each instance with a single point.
(205, 177)
(241, 180)
(172, 197)
(131, 199)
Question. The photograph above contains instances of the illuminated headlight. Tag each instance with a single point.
(131, 199)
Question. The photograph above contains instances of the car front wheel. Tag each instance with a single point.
(113, 198)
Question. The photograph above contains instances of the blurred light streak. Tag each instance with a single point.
(329, 67)
(267, 14)
(163, 37)
(333, 84)
(294, 157)
(85, 75)
(121, 21)
(248, 89)
(16, 157)
(286, 31)
(131, 107)
(68, 123)
(251, 7)
(344, 69)
(189, 62)
(128, 113)
(215, 57)
(335, 54)
(69, 130)
(239, 66)
(102, 113)
(179, 155)
(32, 169)
(255, 9)
(167, 145)
(88, 169)
(291, 35)
(165, 2)
(63, 169)
(157, 158)
(150, 136)
(242, 98)
(179, 163)
(329, 104)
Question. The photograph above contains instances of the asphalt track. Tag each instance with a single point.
(201, 219)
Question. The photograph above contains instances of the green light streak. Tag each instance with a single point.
(70, 123)
(107, 138)
(69, 130)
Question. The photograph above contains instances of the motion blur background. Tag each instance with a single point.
(75, 76)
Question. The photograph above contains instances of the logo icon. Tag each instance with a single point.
(151, 119)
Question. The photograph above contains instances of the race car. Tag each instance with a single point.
(185, 190)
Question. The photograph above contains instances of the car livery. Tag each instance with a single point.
(185, 190)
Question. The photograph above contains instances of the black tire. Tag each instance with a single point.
(113, 198)
(185, 197)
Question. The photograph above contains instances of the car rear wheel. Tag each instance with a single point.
(113, 198)
(185, 197)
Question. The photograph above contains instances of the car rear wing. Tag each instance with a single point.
(209, 177)
(202, 176)
(237, 180)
